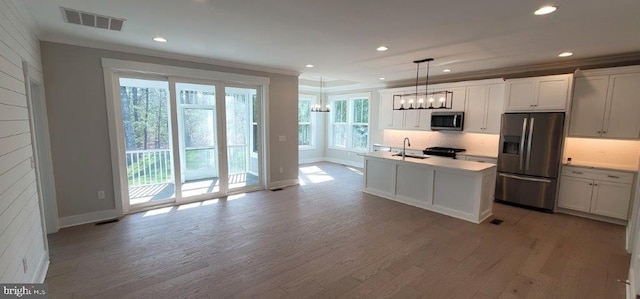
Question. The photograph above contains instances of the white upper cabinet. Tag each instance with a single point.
(622, 119)
(606, 106)
(589, 102)
(546, 93)
(389, 118)
(484, 108)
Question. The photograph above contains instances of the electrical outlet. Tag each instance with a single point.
(281, 170)
(24, 264)
(101, 195)
(282, 138)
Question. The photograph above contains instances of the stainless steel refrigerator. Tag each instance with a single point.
(529, 159)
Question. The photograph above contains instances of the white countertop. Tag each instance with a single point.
(584, 164)
(483, 155)
(435, 161)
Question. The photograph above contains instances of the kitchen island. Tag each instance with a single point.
(457, 188)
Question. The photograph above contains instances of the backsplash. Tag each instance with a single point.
(479, 144)
(603, 152)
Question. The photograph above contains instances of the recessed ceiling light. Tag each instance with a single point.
(382, 78)
(309, 65)
(545, 10)
(565, 54)
(446, 70)
(160, 39)
(382, 49)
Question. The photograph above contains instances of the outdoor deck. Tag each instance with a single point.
(155, 192)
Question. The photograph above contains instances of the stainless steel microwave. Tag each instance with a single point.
(447, 121)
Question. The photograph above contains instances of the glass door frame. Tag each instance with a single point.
(122, 149)
(113, 69)
(261, 141)
(220, 138)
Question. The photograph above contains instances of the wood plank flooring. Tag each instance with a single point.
(327, 239)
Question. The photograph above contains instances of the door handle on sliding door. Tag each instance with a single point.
(521, 153)
(529, 144)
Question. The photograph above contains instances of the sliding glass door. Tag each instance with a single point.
(146, 126)
(186, 142)
(242, 136)
(198, 133)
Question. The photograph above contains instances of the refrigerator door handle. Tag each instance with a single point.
(529, 144)
(524, 131)
(511, 176)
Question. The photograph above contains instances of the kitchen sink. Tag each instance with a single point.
(412, 156)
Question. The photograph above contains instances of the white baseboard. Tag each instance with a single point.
(311, 160)
(282, 184)
(345, 162)
(87, 218)
(41, 271)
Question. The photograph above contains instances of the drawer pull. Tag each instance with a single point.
(613, 176)
(577, 172)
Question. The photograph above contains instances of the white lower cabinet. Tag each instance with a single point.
(448, 187)
(599, 192)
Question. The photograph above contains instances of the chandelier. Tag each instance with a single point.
(320, 107)
(442, 99)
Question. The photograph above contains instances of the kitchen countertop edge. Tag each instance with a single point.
(435, 162)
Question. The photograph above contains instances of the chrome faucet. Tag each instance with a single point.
(405, 142)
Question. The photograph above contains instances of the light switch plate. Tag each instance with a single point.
(282, 138)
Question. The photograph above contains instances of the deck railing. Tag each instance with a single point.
(151, 167)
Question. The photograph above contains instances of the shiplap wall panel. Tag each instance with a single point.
(13, 98)
(12, 143)
(12, 176)
(14, 39)
(12, 236)
(11, 159)
(13, 127)
(11, 83)
(10, 199)
(21, 234)
(10, 68)
(13, 113)
(17, 27)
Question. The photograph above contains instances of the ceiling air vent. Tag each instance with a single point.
(73, 16)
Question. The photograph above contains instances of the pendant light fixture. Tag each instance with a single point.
(423, 100)
(319, 107)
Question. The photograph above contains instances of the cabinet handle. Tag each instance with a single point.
(599, 132)
(590, 184)
(604, 132)
(613, 176)
(595, 184)
(577, 172)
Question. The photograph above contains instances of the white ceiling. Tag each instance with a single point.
(340, 36)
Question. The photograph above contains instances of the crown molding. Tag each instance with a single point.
(553, 68)
(166, 55)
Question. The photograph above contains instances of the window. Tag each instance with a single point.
(305, 117)
(349, 127)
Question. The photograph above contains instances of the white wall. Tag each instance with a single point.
(21, 229)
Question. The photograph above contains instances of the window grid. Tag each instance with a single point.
(305, 120)
(350, 123)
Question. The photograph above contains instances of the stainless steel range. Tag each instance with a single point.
(449, 152)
